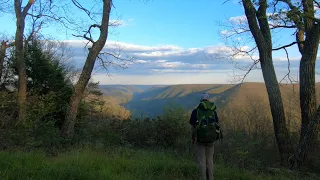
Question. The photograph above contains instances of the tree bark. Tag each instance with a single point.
(68, 126)
(307, 82)
(2, 57)
(307, 36)
(307, 67)
(306, 141)
(22, 83)
(277, 110)
(259, 27)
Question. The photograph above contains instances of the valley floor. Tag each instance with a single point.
(116, 164)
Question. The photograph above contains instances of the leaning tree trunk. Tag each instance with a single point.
(277, 109)
(68, 125)
(22, 83)
(259, 27)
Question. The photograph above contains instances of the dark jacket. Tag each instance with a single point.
(193, 118)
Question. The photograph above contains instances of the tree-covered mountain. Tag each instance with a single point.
(147, 100)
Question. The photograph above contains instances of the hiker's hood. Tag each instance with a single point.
(207, 105)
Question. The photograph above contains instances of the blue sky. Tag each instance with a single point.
(172, 42)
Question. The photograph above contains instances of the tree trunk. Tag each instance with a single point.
(306, 141)
(277, 110)
(22, 83)
(68, 125)
(307, 79)
(2, 57)
(307, 89)
(308, 95)
(259, 27)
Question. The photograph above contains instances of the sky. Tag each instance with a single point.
(169, 42)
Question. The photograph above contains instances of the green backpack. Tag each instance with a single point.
(207, 128)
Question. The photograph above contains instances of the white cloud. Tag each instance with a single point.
(161, 61)
(116, 22)
(167, 78)
(141, 61)
(171, 64)
(286, 59)
(225, 32)
(133, 47)
(158, 64)
(238, 19)
(188, 71)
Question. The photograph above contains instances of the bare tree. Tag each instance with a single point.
(298, 16)
(302, 17)
(21, 14)
(259, 27)
(94, 50)
(3, 52)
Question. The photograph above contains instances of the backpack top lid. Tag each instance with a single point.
(207, 105)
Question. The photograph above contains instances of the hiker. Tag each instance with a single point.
(204, 128)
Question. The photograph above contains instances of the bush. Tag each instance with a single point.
(171, 130)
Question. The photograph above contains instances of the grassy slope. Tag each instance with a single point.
(115, 164)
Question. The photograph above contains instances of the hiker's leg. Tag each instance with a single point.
(201, 157)
(209, 161)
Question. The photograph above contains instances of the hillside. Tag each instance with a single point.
(150, 100)
(225, 96)
(123, 93)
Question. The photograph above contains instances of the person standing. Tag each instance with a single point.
(204, 128)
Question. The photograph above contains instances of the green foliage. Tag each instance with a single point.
(118, 163)
(45, 73)
(40, 131)
(172, 128)
(167, 131)
(46, 76)
(8, 107)
(49, 91)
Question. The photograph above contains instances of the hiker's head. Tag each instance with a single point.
(204, 97)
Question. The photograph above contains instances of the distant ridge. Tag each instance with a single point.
(149, 100)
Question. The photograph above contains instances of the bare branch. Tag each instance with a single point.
(281, 26)
(85, 37)
(26, 9)
(294, 14)
(289, 71)
(250, 69)
(251, 14)
(78, 5)
(317, 3)
(285, 46)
